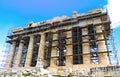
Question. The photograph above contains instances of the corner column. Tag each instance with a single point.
(102, 47)
(10, 59)
(19, 54)
(29, 52)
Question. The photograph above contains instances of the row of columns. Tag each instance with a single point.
(86, 58)
(29, 52)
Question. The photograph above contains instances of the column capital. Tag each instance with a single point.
(14, 42)
(42, 33)
(22, 41)
(31, 36)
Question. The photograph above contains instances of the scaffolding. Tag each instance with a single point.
(61, 48)
(115, 52)
(35, 50)
(77, 45)
(24, 53)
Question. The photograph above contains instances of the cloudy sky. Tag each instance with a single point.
(113, 6)
(17, 13)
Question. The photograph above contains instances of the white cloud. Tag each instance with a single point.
(114, 12)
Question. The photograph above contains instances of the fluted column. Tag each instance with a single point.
(41, 47)
(10, 58)
(29, 52)
(19, 54)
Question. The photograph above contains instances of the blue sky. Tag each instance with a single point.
(17, 13)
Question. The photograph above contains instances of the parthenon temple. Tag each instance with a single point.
(64, 44)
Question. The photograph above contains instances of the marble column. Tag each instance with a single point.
(41, 47)
(11, 55)
(102, 47)
(29, 52)
(86, 47)
(53, 61)
(86, 50)
(69, 58)
(19, 54)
